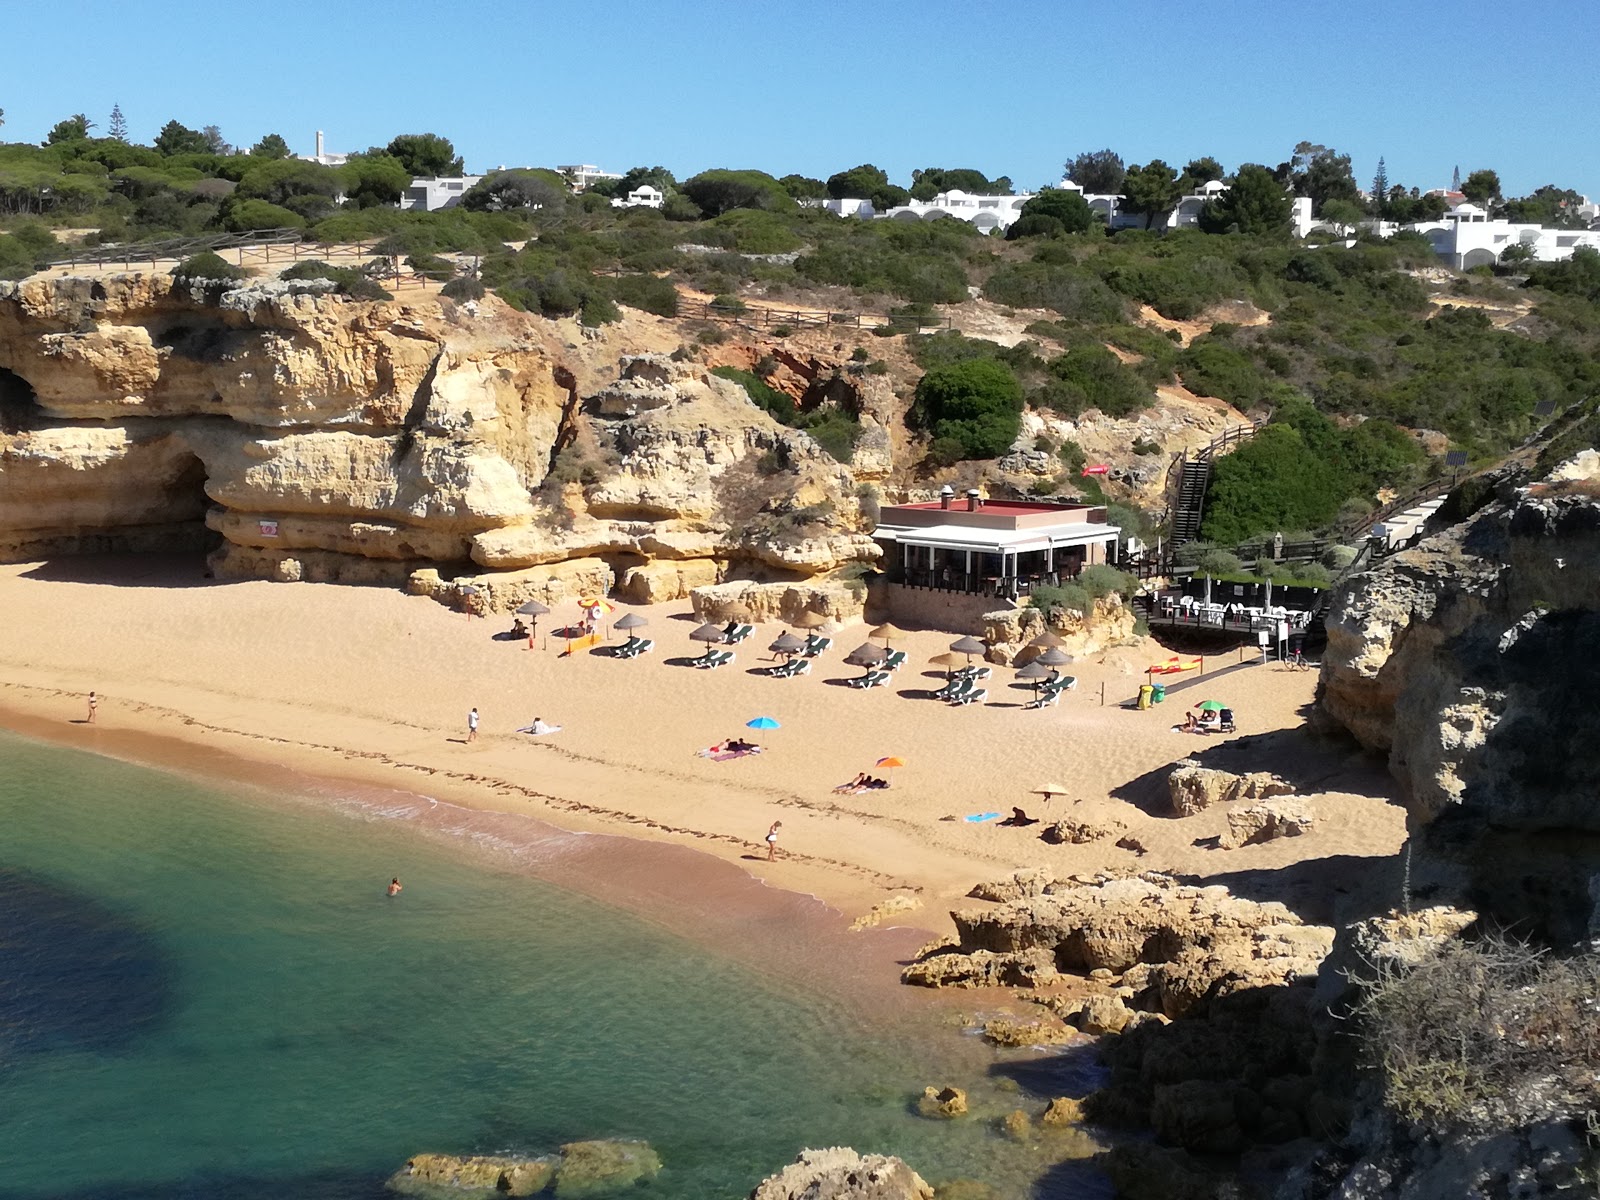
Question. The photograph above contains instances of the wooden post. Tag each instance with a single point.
(1102, 693)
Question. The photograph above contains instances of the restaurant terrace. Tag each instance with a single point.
(1000, 548)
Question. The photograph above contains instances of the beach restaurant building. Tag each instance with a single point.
(999, 548)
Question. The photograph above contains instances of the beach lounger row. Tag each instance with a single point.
(633, 647)
(893, 661)
(788, 670)
(815, 645)
(736, 633)
(712, 659)
(871, 679)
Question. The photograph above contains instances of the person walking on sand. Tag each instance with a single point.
(394, 886)
(94, 703)
(472, 725)
(772, 840)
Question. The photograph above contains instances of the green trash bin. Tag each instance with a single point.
(1158, 693)
(1145, 692)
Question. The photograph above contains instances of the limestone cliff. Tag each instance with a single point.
(324, 438)
(1469, 662)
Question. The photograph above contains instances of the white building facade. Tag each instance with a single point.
(583, 175)
(990, 213)
(431, 195)
(643, 196)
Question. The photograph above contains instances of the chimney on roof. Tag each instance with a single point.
(973, 502)
(319, 143)
(946, 494)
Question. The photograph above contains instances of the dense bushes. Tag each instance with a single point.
(1090, 376)
(1076, 294)
(835, 430)
(206, 268)
(974, 407)
(1298, 471)
(346, 280)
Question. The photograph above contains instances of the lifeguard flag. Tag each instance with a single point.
(1096, 469)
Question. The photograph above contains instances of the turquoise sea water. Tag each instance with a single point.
(207, 994)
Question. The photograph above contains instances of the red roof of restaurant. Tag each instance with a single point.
(1005, 507)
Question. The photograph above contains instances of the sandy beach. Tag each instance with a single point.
(372, 686)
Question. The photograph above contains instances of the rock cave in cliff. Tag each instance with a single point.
(18, 403)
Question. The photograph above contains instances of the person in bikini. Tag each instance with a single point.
(772, 840)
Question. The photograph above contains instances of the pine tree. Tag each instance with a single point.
(119, 126)
(1380, 188)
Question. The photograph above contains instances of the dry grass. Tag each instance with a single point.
(1486, 1035)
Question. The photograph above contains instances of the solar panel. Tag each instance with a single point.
(1455, 458)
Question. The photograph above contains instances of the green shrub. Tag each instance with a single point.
(976, 403)
(646, 292)
(1071, 291)
(1103, 380)
(1072, 454)
(1100, 580)
(464, 287)
(1213, 367)
(1068, 596)
(1216, 563)
(729, 304)
(347, 280)
(207, 267)
(1337, 558)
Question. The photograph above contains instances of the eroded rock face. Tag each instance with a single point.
(1008, 631)
(839, 1173)
(1194, 788)
(1266, 822)
(1468, 662)
(1172, 944)
(331, 439)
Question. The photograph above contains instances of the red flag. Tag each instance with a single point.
(1096, 469)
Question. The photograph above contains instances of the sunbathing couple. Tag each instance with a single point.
(1208, 722)
(738, 746)
(862, 783)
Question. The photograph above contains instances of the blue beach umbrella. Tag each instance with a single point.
(761, 723)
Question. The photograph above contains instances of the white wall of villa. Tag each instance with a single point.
(643, 196)
(989, 213)
(431, 195)
(582, 175)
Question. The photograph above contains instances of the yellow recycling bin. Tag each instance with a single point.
(1145, 692)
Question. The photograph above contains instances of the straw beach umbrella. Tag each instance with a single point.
(630, 621)
(1033, 673)
(1054, 657)
(708, 632)
(888, 632)
(946, 660)
(865, 655)
(787, 643)
(968, 646)
(810, 620)
(1049, 639)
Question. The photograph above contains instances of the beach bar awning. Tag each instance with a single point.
(996, 541)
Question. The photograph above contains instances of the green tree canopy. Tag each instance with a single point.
(180, 139)
(278, 181)
(1254, 204)
(1150, 190)
(1098, 172)
(635, 178)
(425, 155)
(1198, 171)
(867, 182)
(803, 187)
(930, 181)
(977, 403)
(1053, 210)
(271, 146)
(371, 180)
(1551, 206)
(73, 129)
(1321, 173)
(720, 191)
(521, 188)
(1481, 187)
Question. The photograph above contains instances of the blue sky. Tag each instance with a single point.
(819, 86)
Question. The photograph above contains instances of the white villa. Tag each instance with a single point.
(322, 158)
(643, 196)
(989, 213)
(431, 195)
(584, 174)
(1468, 237)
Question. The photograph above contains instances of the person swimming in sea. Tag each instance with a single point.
(394, 887)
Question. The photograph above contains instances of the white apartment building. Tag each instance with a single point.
(585, 174)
